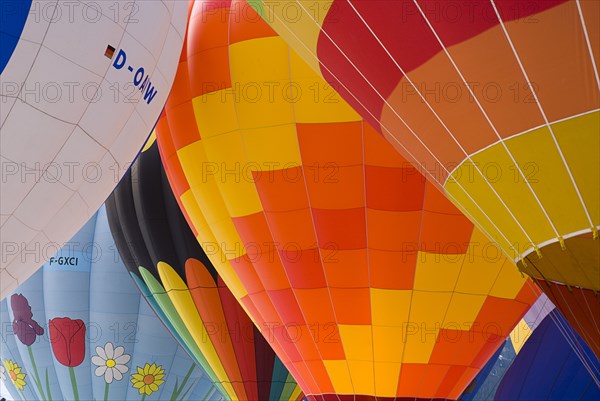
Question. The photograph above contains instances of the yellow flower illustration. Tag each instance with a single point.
(14, 371)
(148, 379)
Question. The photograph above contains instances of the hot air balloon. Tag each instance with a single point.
(554, 364)
(79, 329)
(495, 101)
(83, 84)
(170, 267)
(367, 282)
(485, 384)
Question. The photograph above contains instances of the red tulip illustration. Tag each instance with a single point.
(68, 340)
(68, 344)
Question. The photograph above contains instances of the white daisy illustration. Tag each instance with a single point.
(111, 362)
(2, 373)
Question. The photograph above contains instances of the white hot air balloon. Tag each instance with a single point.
(82, 85)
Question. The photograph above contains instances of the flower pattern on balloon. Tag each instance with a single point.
(111, 362)
(148, 379)
(24, 326)
(2, 373)
(15, 374)
(67, 337)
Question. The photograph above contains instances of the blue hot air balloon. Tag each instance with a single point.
(554, 364)
(79, 329)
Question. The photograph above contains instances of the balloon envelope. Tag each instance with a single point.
(554, 364)
(497, 102)
(173, 271)
(364, 278)
(82, 86)
(81, 331)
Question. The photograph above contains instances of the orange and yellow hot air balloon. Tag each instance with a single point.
(364, 278)
(496, 101)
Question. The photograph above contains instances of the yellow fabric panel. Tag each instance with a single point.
(388, 343)
(550, 181)
(357, 341)
(437, 272)
(262, 80)
(513, 190)
(386, 378)
(478, 214)
(339, 374)
(215, 113)
(579, 139)
(389, 307)
(270, 148)
(361, 373)
(318, 102)
(509, 282)
(291, 21)
(184, 304)
(463, 311)
(203, 181)
(228, 154)
(519, 335)
(206, 194)
(481, 266)
(210, 245)
(426, 316)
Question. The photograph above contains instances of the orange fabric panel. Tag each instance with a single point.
(216, 75)
(555, 56)
(457, 347)
(387, 188)
(453, 375)
(303, 267)
(411, 378)
(432, 380)
(346, 268)
(320, 318)
(327, 142)
(392, 270)
(340, 229)
(351, 305)
(181, 119)
(245, 271)
(445, 233)
(291, 230)
(279, 190)
(319, 373)
(287, 307)
(325, 182)
(378, 152)
(394, 231)
(497, 316)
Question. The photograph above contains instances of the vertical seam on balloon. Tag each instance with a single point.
(412, 293)
(364, 171)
